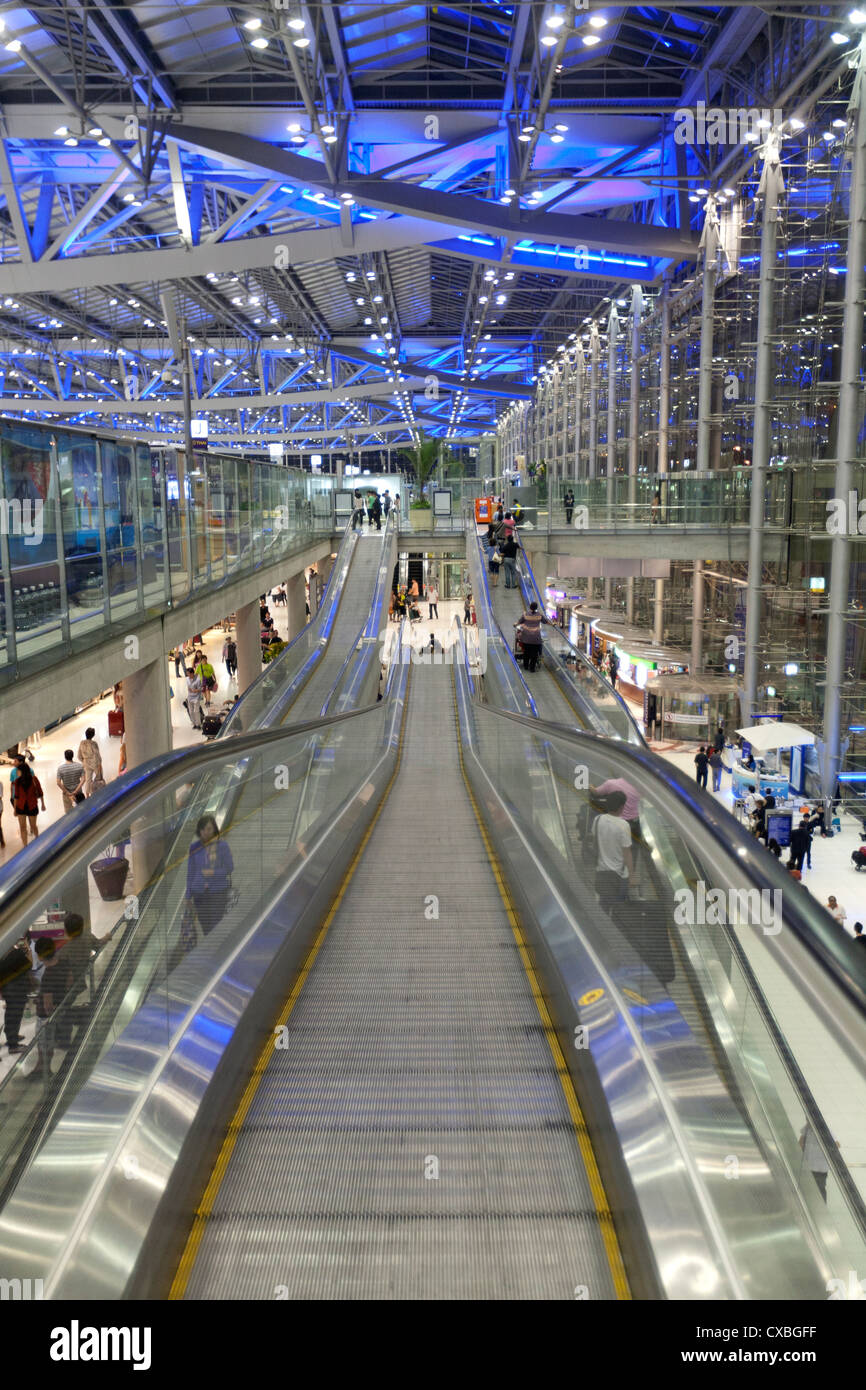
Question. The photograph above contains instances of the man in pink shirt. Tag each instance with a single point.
(631, 809)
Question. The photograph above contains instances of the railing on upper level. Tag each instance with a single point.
(97, 530)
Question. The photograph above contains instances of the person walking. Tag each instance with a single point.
(702, 763)
(208, 676)
(179, 663)
(719, 740)
(27, 798)
(467, 610)
(715, 761)
(70, 780)
(800, 838)
(230, 657)
(376, 511)
(91, 759)
(614, 667)
(386, 502)
(613, 841)
(508, 550)
(655, 509)
(209, 874)
(432, 601)
(358, 513)
(568, 503)
(194, 690)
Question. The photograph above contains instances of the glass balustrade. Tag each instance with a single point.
(98, 531)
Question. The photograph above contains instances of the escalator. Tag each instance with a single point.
(414, 1059)
(416, 1138)
(564, 688)
(299, 684)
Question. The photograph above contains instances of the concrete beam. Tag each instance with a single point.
(36, 700)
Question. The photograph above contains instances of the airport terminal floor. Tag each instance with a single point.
(432, 679)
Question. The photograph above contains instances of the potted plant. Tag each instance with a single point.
(424, 459)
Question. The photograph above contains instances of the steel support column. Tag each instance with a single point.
(850, 415)
(710, 245)
(769, 192)
(594, 354)
(664, 422)
(633, 425)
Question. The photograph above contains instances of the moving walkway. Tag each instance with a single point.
(416, 1058)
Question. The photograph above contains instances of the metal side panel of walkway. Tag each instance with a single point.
(354, 608)
(414, 1139)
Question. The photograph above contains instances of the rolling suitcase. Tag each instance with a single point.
(645, 926)
(115, 723)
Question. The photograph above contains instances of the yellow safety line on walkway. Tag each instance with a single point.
(205, 1207)
(596, 1186)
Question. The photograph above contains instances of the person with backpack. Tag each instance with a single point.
(27, 798)
(508, 550)
(230, 657)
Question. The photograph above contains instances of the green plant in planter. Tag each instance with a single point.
(419, 505)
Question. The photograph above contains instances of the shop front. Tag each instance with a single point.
(678, 706)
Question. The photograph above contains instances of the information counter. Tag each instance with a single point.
(765, 783)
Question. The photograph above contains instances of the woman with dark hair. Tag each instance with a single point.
(209, 874)
(27, 797)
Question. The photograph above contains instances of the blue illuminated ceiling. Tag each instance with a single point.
(327, 204)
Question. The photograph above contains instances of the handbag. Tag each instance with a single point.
(188, 927)
(79, 797)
